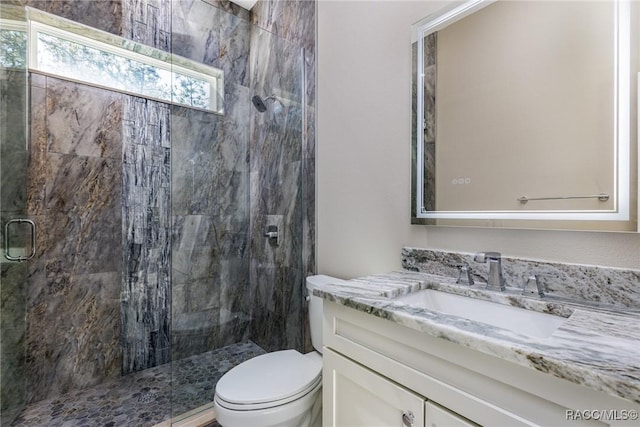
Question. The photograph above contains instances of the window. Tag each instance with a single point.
(119, 64)
(13, 44)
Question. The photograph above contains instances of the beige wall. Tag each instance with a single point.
(363, 158)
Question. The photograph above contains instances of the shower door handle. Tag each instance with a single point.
(7, 240)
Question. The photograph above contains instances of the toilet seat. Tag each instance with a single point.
(269, 380)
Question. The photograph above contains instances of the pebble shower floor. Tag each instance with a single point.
(142, 399)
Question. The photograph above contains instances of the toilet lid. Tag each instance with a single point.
(270, 377)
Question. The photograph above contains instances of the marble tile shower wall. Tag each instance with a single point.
(210, 228)
(75, 197)
(102, 278)
(104, 15)
(210, 163)
(146, 233)
(213, 290)
(282, 147)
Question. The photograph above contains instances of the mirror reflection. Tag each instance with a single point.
(524, 112)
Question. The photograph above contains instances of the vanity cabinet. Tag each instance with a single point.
(376, 370)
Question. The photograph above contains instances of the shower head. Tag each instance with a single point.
(261, 105)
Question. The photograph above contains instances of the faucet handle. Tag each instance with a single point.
(533, 284)
(272, 235)
(484, 256)
(464, 275)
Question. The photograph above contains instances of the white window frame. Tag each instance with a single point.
(12, 25)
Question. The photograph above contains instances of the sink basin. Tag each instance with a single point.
(515, 319)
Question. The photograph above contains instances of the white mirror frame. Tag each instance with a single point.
(621, 136)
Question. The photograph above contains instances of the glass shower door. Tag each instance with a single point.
(16, 230)
(209, 209)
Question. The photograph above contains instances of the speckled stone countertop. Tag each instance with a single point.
(595, 347)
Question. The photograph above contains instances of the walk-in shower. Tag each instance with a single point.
(151, 276)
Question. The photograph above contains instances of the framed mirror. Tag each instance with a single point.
(525, 115)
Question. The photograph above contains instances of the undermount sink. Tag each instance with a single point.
(515, 319)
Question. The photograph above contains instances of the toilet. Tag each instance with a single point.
(283, 388)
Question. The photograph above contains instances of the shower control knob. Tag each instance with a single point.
(272, 233)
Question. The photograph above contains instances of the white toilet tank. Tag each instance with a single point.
(315, 307)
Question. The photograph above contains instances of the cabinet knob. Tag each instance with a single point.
(408, 418)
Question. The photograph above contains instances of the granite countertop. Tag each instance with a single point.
(595, 347)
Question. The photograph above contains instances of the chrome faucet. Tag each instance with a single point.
(533, 285)
(495, 281)
(465, 275)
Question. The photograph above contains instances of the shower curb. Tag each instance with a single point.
(203, 416)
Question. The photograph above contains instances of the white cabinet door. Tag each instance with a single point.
(437, 416)
(354, 396)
